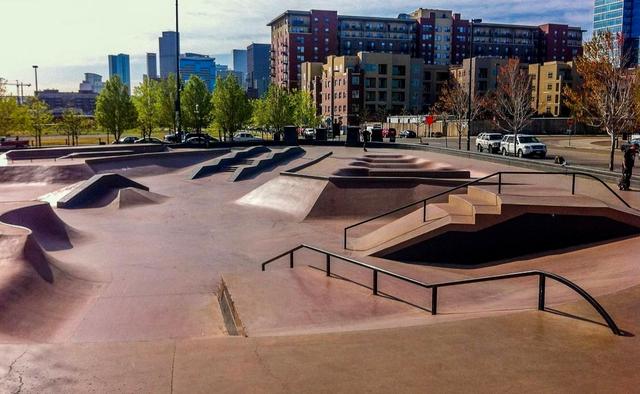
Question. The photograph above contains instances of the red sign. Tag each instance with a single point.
(429, 120)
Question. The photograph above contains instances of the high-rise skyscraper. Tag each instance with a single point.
(168, 43)
(119, 65)
(152, 66)
(240, 65)
(258, 69)
(201, 65)
(623, 19)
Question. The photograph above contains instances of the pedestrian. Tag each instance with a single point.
(627, 166)
(365, 137)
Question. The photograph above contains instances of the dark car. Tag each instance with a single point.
(207, 137)
(126, 140)
(149, 140)
(197, 141)
(408, 134)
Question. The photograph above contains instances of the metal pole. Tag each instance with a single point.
(434, 301)
(328, 265)
(35, 69)
(375, 282)
(573, 184)
(470, 89)
(291, 260)
(178, 109)
(541, 291)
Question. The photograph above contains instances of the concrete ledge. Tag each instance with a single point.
(55, 153)
(234, 157)
(81, 155)
(95, 188)
(272, 159)
(309, 164)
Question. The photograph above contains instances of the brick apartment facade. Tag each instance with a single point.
(438, 37)
(348, 88)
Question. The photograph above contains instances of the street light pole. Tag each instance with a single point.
(35, 69)
(472, 22)
(178, 109)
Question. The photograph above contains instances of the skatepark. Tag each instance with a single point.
(312, 268)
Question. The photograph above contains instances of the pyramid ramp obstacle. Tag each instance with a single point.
(227, 160)
(271, 160)
(131, 197)
(96, 190)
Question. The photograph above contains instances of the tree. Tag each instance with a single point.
(196, 104)
(72, 123)
(279, 108)
(305, 113)
(166, 102)
(231, 108)
(145, 99)
(454, 100)
(39, 117)
(607, 97)
(114, 110)
(511, 102)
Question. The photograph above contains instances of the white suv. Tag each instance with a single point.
(526, 145)
(489, 142)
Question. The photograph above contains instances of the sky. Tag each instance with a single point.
(67, 38)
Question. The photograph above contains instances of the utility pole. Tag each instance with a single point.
(178, 110)
(471, 22)
(35, 70)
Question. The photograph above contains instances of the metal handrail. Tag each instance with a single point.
(499, 174)
(543, 275)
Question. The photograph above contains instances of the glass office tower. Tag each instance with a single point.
(621, 17)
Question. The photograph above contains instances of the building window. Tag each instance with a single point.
(382, 69)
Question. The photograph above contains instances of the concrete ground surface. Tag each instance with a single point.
(124, 297)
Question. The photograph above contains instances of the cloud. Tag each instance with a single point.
(69, 37)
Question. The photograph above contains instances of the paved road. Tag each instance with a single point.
(584, 151)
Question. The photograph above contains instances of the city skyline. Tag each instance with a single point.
(207, 26)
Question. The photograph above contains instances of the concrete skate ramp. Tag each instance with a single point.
(314, 198)
(152, 163)
(290, 195)
(369, 197)
(46, 227)
(48, 174)
(132, 197)
(273, 159)
(98, 191)
(38, 297)
(228, 160)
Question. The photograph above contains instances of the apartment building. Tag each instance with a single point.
(484, 73)
(345, 88)
(439, 37)
(548, 81)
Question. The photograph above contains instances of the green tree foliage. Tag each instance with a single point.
(13, 117)
(279, 108)
(39, 118)
(115, 112)
(145, 99)
(166, 102)
(196, 103)
(305, 113)
(72, 123)
(231, 108)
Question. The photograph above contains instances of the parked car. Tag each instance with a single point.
(13, 143)
(628, 144)
(200, 141)
(488, 142)
(309, 134)
(126, 140)
(523, 145)
(408, 134)
(201, 135)
(244, 137)
(149, 140)
(172, 138)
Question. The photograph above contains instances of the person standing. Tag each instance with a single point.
(627, 166)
